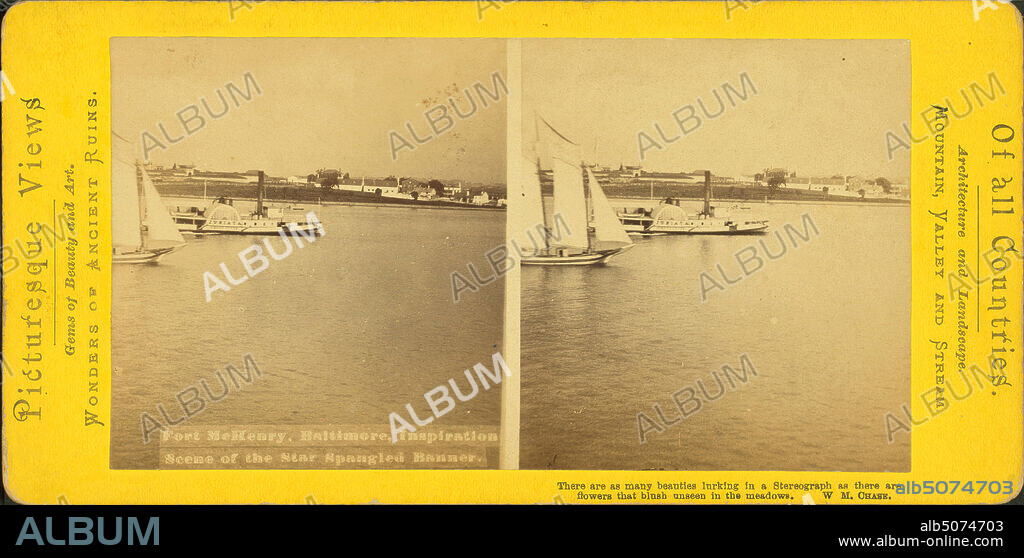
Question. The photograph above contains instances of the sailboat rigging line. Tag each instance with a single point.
(121, 158)
(566, 161)
(557, 133)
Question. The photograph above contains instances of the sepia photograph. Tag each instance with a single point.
(282, 263)
(287, 217)
(716, 254)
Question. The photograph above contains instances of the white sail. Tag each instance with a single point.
(531, 237)
(607, 227)
(570, 204)
(161, 232)
(126, 226)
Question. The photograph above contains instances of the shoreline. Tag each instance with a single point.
(644, 202)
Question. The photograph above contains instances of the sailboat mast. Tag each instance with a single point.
(586, 202)
(543, 212)
(142, 206)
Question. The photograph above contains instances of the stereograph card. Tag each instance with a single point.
(512, 252)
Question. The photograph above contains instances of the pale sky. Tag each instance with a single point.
(822, 107)
(326, 103)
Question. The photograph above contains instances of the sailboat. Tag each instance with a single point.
(142, 229)
(592, 233)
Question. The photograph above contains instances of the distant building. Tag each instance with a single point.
(631, 170)
(481, 198)
(833, 184)
(183, 170)
(368, 188)
(855, 182)
(371, 185)
(777, 173)
(328, 174)
(874, 190)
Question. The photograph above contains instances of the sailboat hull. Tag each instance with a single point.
(587, 258)
(151, 256)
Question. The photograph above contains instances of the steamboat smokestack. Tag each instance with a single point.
(259, 196)
(707, 193)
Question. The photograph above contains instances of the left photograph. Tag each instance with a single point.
(305, 270)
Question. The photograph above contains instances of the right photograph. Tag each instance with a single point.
(714, 239)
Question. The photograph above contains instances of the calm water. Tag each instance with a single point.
(827, 326)
(345, 330)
